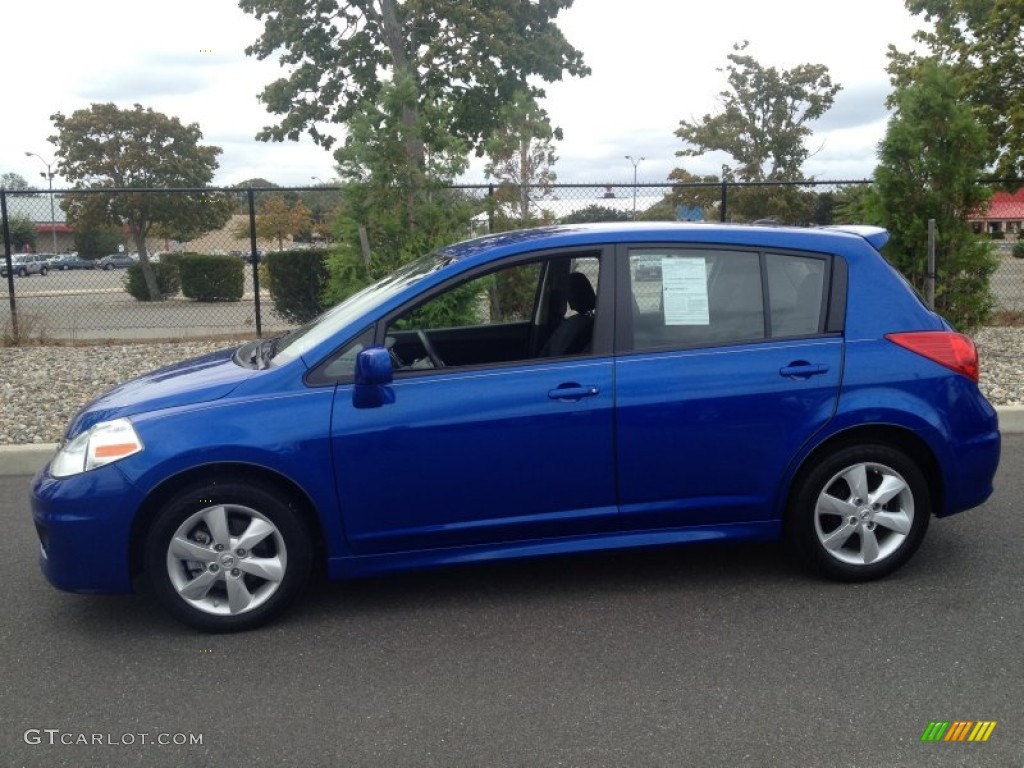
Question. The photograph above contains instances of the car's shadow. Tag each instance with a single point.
(559, 578)
(702, 570)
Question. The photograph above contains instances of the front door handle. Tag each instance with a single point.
(573, 392)
(802, 370)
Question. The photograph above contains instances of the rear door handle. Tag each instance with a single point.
(802, 370)
(573, 392)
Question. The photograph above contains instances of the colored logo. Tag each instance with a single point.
(958, 730)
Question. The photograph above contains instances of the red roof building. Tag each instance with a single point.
(1005, 213)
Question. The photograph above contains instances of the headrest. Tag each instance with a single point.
(582, 299)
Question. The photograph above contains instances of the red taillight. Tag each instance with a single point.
(953, 350)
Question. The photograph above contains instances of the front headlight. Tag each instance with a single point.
(103, 443)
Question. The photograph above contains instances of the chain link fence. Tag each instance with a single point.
(63, 282)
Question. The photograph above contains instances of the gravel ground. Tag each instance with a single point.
(41, 387)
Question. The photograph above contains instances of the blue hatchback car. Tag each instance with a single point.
(528, 394)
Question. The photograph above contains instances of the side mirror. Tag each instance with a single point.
(373, 367)
(374, 373)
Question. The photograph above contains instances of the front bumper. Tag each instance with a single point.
(84, 526)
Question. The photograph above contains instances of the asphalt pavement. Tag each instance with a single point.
(699, 656)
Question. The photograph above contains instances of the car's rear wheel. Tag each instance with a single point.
(43, 271)
(860, 513)
(224, 557)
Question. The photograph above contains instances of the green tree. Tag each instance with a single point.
(930, 163)
(13, 181)
(276, 220)
(689, 191)
(520, 154)
(595, 213)
(763, 123)
(23, 233)
(471, 56)
(855, 204)
(104, 148)
(983, 42)
(264, 189)
(323, 202)
(401, 210)
(94, 241)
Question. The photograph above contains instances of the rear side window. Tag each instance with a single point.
(796, 289)
(684, 297)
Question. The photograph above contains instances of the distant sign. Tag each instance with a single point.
(685, 213)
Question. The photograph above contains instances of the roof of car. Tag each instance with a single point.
(566, 235)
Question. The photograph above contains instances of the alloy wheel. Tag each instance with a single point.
(864, 514)
(226, 559)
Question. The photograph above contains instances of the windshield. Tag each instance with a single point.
(302, 339)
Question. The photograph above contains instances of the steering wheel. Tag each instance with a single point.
(428, 345)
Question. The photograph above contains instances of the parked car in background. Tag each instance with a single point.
(761, 383)
(116, 261)
(247, 256)
(25, 264)
(68, 261)
(647, 269)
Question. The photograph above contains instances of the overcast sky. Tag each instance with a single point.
(654, 62)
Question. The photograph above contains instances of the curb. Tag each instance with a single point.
(29, 459)
(24, 459)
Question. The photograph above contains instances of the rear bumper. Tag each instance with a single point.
(972, 473)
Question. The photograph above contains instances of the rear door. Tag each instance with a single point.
(728, 363)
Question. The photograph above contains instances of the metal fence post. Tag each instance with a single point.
(10, 268)
(490, 207)
(931, 263)
(255, 259)
(725, 202)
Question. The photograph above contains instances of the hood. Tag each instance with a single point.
(198, 380)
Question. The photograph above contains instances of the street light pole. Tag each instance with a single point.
(635, 163)
(49, 178)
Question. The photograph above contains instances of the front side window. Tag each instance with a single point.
(529, 310)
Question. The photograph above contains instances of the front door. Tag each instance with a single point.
(512, 441)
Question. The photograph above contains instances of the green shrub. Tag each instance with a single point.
(167, 281)
(296, 281)
(211, 278)
(1018, 250)
(174, 259)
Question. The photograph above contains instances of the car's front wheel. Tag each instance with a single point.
(223, 557)
(860, 513)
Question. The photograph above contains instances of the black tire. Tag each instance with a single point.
(200, 592)
(43, 271)
(843, 535)
(22, 272)
(107, 267)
